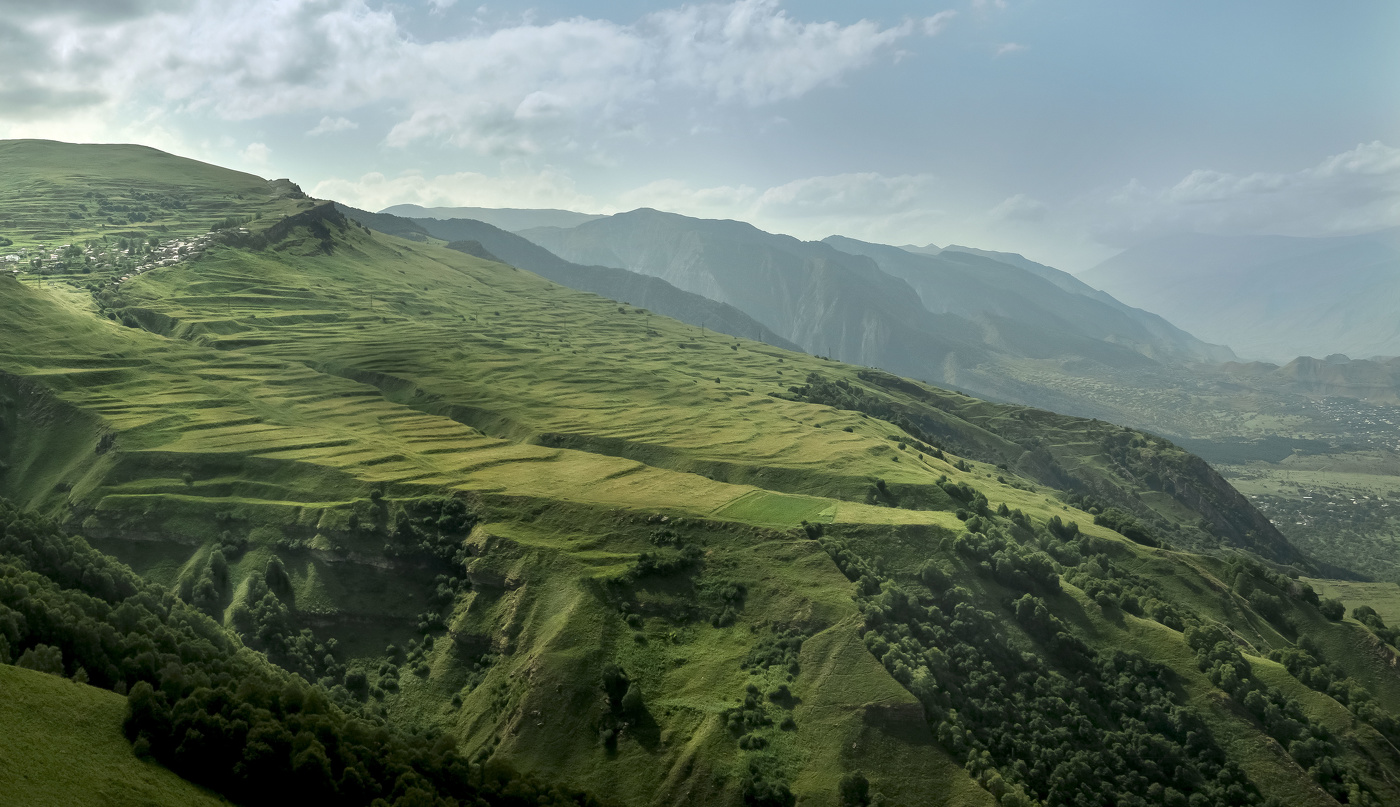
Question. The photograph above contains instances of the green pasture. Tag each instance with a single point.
(62, 744)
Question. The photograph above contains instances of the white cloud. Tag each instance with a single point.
(520, 89)
(256, 154)
(1351, 192)
(1019, 208)
(329, 125)
(933, 26)
(1009, 47)
(750, 51)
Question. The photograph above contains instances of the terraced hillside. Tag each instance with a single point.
(669, 566)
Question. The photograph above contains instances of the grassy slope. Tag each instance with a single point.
(574, 426)
(62, 744)
(45, 182)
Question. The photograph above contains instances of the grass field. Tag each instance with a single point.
(309, 390)
(62, 744)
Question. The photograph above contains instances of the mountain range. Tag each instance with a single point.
(927, 316)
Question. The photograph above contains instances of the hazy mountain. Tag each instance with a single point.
(1270, 297)
(828, 301)
(1064, 280)
(1336, 376)
(506, 218)
(1031, 309)
(493, 243)
(952, 311)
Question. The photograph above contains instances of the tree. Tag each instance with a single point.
(277, 579)
(42, 658)
(854, 790)
(1332, 609)
(632, 702)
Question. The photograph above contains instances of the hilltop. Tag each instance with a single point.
(663, 565)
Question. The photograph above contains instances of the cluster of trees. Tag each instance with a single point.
(208, 708)
(265, 622)
(999, 557)
(230, 222)
(1127, 526)
(625, 705)
(764, 783)
(780, 649)
(677, 561)
(1269, 593)
(1305, 663)
(1059, 724)
(133, 213)
(1367, 616)
(429, 530)
(1309, 743)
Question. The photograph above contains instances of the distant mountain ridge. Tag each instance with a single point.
(828, 301)
(493, 243)
(1026, 303)
(506, 218)
(1268, 297)
(928, 316)
(1336, 376)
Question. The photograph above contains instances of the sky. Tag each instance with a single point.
(1065, 130)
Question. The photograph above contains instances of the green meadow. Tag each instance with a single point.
(643, 495)
(63, 744)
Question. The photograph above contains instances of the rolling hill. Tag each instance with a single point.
(646, 560)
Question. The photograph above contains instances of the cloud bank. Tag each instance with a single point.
(1352, 192)
(517, 90)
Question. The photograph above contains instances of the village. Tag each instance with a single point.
(131, 257)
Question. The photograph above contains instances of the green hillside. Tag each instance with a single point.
(662, 565)
(63, 744)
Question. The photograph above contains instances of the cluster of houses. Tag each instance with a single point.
(171, 253)
(167, 254)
